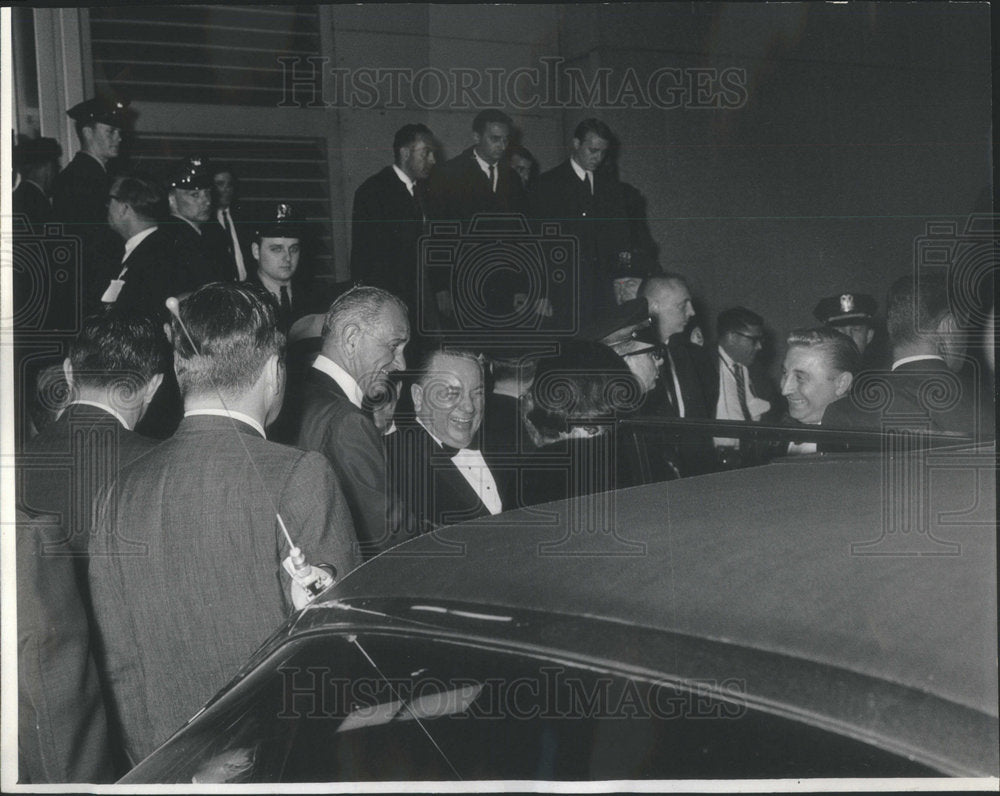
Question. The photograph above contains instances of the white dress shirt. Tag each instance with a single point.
(346, 381)
(474, 469)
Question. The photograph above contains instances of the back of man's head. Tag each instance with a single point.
(143, 195)
(118, 349)
(233, 332)
(915, 307)
(737, 319)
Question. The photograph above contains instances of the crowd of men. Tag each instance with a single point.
(282, 420)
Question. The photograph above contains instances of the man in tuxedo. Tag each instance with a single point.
(588, 203)
(387, 221)
(186, 556)
(364, 334)
(235, 233)
(147, 276)
(689, 380)
(37, 161)
(197, 247)
(80, 191)
(478, 181)
(924, 388)
(435, 472)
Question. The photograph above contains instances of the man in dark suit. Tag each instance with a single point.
(62, 733)
(114, 366)
(924, 389)
(37, 161)
(80, 191)
(364, 334)
(387, 221)
(197, 247)
(187, 553)
(589, 204)
(237, 235)
(689, 379)
(436, 475)
(148, 275)
(478, 181)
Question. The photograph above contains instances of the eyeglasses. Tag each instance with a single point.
(753, 338)
(653, 350)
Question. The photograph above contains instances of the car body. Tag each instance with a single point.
(825, 617)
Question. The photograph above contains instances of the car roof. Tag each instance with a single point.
(787, 558)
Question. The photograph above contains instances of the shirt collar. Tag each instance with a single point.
(110, 410)
(344, 379)
(135, 240)
(917, 358)
(581, 172)
(410, 184)
(243, 418)
(193, 226)
(482, 163)
(730, 362)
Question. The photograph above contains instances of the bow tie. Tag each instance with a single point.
(452, 451)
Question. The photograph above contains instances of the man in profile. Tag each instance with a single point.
(364, 334)
(923, 390)
(436, 472)
(186, 556)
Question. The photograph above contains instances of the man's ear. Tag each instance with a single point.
(67, 369)
(947, 325)
(843, 383)
(255, 250)
(350, 337)
(151, 387)
(869, 335)
(417, 394)
(172, 201)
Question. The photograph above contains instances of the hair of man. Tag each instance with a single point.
(839, 350)
(143, 195)
(490, 116)
(115, 343)
(233, 327)
(736, 319)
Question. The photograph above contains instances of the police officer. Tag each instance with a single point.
(854, 315)
(276, 249)
(80, 192)
(198, 248)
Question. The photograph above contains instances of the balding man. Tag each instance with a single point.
(364, 334)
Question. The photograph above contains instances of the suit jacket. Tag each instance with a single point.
(599, 223)
(79, 201)
(386, 225)
(459, 189)
(919, 395)
(197, 258)
(31, 202)
(186, 571)
(151, 278)
(62, 725)
(65, 466)
(425, 482)
(347, 436)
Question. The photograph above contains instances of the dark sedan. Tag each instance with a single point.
(827, 617)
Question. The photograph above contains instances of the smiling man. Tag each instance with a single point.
(438, 475)
(364, 334)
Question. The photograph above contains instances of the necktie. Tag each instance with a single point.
(589, 179)
(234, 244)
(741, 390)
(667, 380)
(286, 305)
(493, 186)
